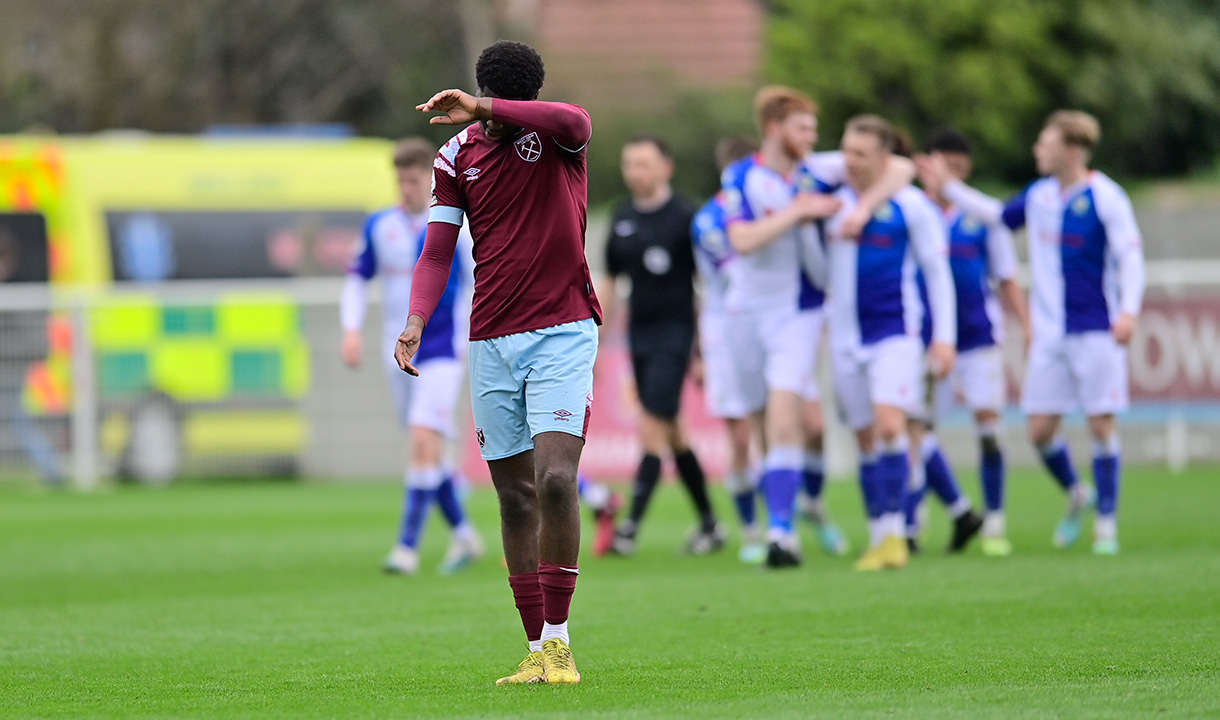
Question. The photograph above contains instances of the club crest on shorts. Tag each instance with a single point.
(478, 434)
(529, 148)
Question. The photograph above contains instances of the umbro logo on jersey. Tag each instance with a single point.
(472, 173)
(562, 415)
(529, 148)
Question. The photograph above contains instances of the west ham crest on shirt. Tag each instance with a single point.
(529, 148)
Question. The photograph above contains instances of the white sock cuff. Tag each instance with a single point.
(560, 631)
(814, 462)
(784, 458)
(1108, 447)
(898, 446)
(425, 478)
(739, 481)
(928, 445)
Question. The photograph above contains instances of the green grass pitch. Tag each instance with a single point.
(265, 600)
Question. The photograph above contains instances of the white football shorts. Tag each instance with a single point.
(1082, 370)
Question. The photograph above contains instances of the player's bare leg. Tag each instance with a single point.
(556, 458)
(1043, 431)
(513, 478)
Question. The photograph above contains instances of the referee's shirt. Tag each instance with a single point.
(654, 250)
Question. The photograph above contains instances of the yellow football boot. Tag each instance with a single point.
(893, 552)
(529, 671)
(871, 560)
(558, 665)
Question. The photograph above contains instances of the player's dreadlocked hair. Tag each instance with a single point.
(510, 70)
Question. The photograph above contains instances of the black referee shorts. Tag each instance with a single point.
(658, 379)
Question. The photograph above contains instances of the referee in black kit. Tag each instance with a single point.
(650, 243)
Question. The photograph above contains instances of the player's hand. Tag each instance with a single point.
(408, 345)
(853, 225)
(940, 359)
(933, 172)
(1124, 328)
(459, 108)
(352, 348)
(815, 206)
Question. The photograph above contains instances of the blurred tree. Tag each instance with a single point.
(1150, 69)
(179, 67)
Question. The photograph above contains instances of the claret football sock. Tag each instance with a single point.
(558, 583)
(527, 594)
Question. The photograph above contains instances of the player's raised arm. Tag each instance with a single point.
(568, 124)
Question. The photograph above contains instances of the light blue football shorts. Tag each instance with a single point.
(529, 383)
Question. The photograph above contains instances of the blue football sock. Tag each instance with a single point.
(1057, 460)
(940, 477)
(991, 470)
(782, 486)
(1105, 476)
(745, 507)
(813, 476)
(895, 471)
(913, 499)
(414, 515)
(451, 507)
(871, 488)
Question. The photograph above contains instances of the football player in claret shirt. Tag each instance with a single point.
(1086, 264)
(393, 240)
(517, 171)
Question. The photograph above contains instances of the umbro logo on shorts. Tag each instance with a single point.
(562, 415)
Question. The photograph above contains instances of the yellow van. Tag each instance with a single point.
(185, 368)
